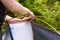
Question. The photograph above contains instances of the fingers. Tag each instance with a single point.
(30, 14)
(27, 18)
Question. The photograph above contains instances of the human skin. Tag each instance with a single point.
(11, 20)
(16, 7)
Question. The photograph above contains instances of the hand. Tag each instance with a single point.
(28, 13)
(31, 15)
(27, 18)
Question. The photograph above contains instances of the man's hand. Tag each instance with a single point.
(31, 15)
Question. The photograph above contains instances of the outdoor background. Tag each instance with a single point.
(47, 13)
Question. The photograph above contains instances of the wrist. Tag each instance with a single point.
(7, 18)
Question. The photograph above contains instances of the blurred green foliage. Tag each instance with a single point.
(46, 13)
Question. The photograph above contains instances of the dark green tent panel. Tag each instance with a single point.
(41, 33)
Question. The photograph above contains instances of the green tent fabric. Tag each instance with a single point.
(40, 33)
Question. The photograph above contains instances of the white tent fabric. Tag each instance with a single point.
(19, 31)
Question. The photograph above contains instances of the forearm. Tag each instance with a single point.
(14, 6)
(10, 19)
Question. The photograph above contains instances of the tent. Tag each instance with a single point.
(40, 33)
